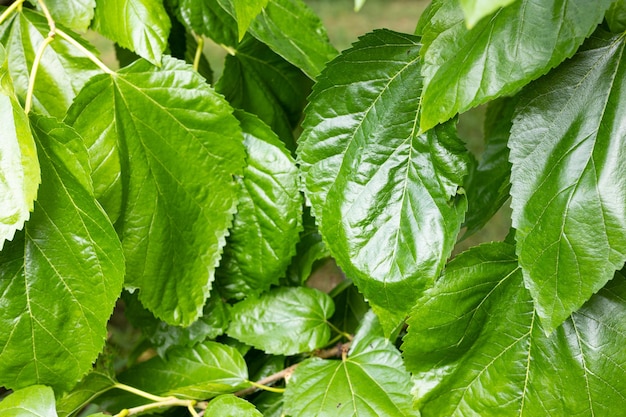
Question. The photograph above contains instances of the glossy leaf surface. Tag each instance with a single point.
(464, 68)
(63, 70)
(75, 14)
(284, 321)
(208, 18)
(360, 153)
(33, 401)
(475, 10)
(476, 345)
(228, 405)
(61, 276)
(267, 225)
(201, 372)
(568, 144)
(246, 11)
(139, 25)
(370, 381)
(175, 218)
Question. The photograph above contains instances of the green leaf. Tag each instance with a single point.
(207, 17)
(258, 81)
(201, 372)
(75, 14)
(488, 184)
(475, 10)
(371, 381)
(360, 153)
(292, 30)
(184, 45)
(284, 321)
(350, 307)
(476, 346)
(33, 401)
(63, 70)
(268, 221)
(568, 144)
(174, 219)
(246, 11)
(270, 404)
(59, 278)
(358, 4)
(230, 406)
(19, 167)
(464, 68)
(616, 16)
(90, 387)
(139, 25)
(309, 250)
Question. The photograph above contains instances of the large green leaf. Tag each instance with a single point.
(292, 30)
(180, 147)
(246, 11)
(257, 80)
(476, 346)
(62, 72)
(33, 401)
(139, 25)
(370, 381)
(284, 321)
(475, 10)
(19, 167)
(268, 220)
(75, 14)
(60, 278)
(228, 405)
(90, 387)
(208, 18)
(201, 372)
(384, 196)
(464, 68)
(568, 145)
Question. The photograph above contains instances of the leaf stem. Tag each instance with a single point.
(33, 73)
(10, 9)
(199, 49)
(141, 393)
(266, 387)
(51, 24)
(285, 373)
(85, 51)
(339, 331)
(169, 402)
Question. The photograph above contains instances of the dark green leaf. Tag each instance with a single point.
(489, 182)
(180, 147)
(371, 381)
(350, 307)
(258, 81)
(475, 10)
(616, 16)
(268, 220)
(568, 144)
(230, 406)
(284, 321)
(309, 250)
(75, 14)
(63, 70)
(246, 11)
(89, 388)
(464, 68)
(292, 30)
(33, 401)
(384, 196)
(201, 372)
(139, 25)
(476, 347)
(206, 17)
(60, 278)
(270, 404)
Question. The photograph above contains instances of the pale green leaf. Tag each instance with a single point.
(476, 346)
(60, 278)
(62, 72)
(258, 81)
(207, 17)
(89, 388)
(383, 195)
(33, 401)
(616, 16)
(75, 14)
(230, 406)
(467, 67)
(139, 25)
(358, 4)
(180, 147)
(475, 10)
(568, 144)
(201, 372)
(370, 381)
(246, 11)
(284, 321)
(267, 225)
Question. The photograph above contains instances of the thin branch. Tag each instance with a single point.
(198, 55)
(33, 73)
(171, 402)
(51, 24)
(85, 51)
(141, 393)
(10, 9)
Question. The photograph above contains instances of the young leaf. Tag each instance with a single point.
(228, 405)
(33, 401)
(90, 387)
(246, 11)
(370, 381)
(207, 17)
(464, 68)
(59, 278)
(568, 144)
(284, 321)
(75, 14)
(268, 220)
(384, 196)
(475, 10)
(139, 25)
(258, 81)
(293, 31)
(180, 147)
(476, 346)
(201, 372)
(63, 70)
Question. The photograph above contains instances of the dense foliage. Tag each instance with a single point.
(158, 229)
